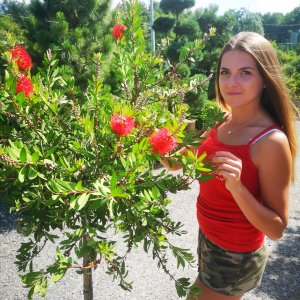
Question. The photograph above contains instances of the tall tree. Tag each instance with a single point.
(176, 6)
(163, 24)
(86, 169)
(274, 27)
(247, 21)
(73, 30)
(292, 21)
(224, 25)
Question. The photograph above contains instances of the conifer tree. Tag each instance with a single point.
(73, 30)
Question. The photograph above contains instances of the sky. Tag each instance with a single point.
(261, 6)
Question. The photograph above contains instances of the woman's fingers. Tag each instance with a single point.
(227, 165)
(225, 154)
(225, 160)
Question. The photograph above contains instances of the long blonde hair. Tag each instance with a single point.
(275, 98)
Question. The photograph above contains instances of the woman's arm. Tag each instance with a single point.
(273, 159)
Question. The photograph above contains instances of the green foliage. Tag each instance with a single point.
(7, 24)
(62, 167)
(173, 51)
(176, 6)
(188, 28)
(291, 67)
(207, 116)
(247, 21)
(163, 24)
(274, 27)
(74, 31)
(184, 71)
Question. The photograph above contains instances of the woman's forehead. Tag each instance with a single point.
(238, 57)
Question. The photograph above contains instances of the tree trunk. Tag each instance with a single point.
(87, 276)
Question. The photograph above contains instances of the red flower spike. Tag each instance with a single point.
(121, 125)
(24, 85)
(117, 31)
(22, 58)
(162, 141)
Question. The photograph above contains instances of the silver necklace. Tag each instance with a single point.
(231, 130)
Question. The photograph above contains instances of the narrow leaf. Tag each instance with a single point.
(23, 155)
(82, 200)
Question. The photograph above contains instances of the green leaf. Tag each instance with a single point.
(203, 155)
(51, 151)
(96, 203)
(35, 156)
(31, 277)
(51, 237)
(205, 177)
(41, 176)
(44, 288)
(182, 286)
(23, 155)
(103, 190)
(30, 293)
(32, 173)
(113, 181)
(195, 290)
(78, 186)
(22, 174)
(110, 207)
(20, 98)
(37, 288)
(65, 185)
(58, 275)
(73, 202)
(82, 200)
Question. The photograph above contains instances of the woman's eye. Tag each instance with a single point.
(244, 73)
(223, 72)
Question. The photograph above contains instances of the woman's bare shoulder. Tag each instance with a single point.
(271, 149)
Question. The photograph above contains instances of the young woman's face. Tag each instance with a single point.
(239, 80)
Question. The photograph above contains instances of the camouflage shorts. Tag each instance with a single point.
(227, 272)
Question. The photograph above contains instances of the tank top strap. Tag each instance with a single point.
(265, 132)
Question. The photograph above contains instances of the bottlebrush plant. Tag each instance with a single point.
(82, 162)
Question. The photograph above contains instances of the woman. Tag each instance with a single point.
(253, 152)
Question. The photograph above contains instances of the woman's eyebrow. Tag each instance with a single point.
(242, 68)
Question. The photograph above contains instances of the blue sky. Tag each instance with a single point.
(261, 6)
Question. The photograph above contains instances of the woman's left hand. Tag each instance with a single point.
(229, 167)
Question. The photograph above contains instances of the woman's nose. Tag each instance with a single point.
(233, 79)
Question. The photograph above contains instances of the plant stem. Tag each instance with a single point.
(87, 274)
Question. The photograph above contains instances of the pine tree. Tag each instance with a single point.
(73, 30)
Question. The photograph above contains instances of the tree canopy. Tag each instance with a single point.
(176, 6)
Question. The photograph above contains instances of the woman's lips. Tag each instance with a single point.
(233, 93)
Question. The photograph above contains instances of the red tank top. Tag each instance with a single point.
(219, 217)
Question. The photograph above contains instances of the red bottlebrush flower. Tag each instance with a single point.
(121, 124)
(162, 141)
(117, 31)
(24, 85)
(22, 58)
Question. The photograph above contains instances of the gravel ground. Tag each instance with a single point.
(281, 280)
